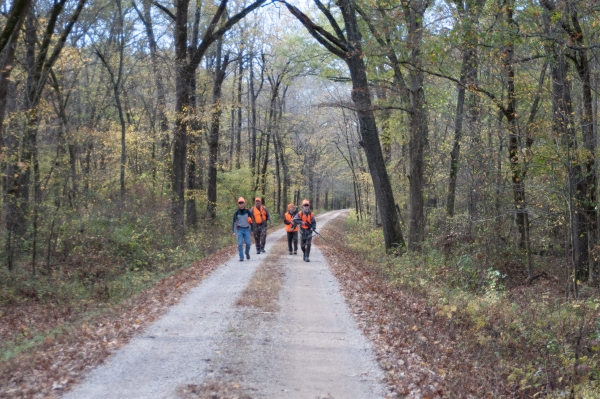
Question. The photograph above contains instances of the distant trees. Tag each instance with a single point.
(429, 118)
(348, 47)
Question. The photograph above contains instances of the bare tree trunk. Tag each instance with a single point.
(469, 12)
(254, 93)
(589, 141)
(232, 129)
(278, 180)
(585, 201)
(195, 136)
(238, 146)
(161, 106)
(17, 14)
(213, 138)
(185, 70)
(265, 162)
(15, 17)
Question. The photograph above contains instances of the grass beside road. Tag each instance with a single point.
(478, 333)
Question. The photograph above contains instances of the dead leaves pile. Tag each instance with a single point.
(263, 289)
(50, 368)
(420, 354)
(214, 389)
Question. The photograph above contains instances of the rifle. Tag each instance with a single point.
(317, 233)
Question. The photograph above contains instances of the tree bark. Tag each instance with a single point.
(213, 138)
(469, 15)
(238, 145)
(414, 16)
(161, 102)
(16, 15)
(582, 176)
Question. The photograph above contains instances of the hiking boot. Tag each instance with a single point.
(263, 251)
(308, 260)
(290, 253)
(295, 252)
(304, 258)
(241, 259)
(248, 256)
(258, 252)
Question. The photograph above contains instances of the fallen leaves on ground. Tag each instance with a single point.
(420, 353)
(214, 389)
(53, 366)
(263, 289)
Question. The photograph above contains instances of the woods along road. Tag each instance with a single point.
(271, 327)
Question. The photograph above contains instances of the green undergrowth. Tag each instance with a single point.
(106, 257)
(541, 343)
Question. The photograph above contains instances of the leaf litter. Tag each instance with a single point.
(81, 342)
(422, 356)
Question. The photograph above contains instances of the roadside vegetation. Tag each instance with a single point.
(97, 262)
(522, 339)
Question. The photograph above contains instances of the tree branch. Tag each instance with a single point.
(210, 36)
(469, 87)
(164, 9)
(139, 13)
(19, 9)
(60, 43)
(332, 21)
(330, 42)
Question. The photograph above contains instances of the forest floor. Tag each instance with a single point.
(271, 327)
(149, 346)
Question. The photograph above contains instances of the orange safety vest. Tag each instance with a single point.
(288, 227)
(307, 219)
(260, 216)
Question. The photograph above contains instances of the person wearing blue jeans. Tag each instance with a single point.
(242, 226)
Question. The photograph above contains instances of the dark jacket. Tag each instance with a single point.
(240, 218)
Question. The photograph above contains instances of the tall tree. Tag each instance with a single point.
(161, 102)
(348, 47)
(187, 60)
(469, 12)
(213, 137)
(22, 158)
(116, 78)
(585, 175)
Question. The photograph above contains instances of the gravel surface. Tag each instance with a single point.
(311, 348)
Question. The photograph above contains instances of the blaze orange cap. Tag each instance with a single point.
(291, 205)
(241, 199)
(305, 202)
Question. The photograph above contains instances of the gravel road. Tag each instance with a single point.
(310, 348)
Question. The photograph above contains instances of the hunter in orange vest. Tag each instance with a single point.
(260, 215)
(307, 222)
(292, 230)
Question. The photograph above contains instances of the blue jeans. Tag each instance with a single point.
(243, 236)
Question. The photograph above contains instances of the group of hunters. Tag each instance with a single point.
(255, 220)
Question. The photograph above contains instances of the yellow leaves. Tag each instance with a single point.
(449, 310)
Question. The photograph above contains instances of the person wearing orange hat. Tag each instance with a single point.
(307, 222)
(260, 216)
(242, 226)
(292, 230)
